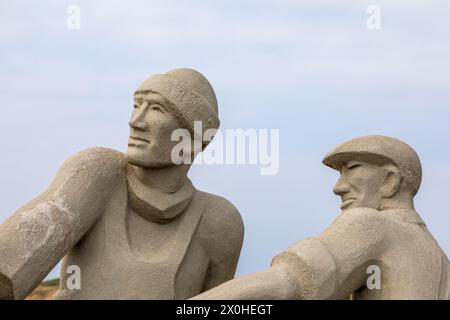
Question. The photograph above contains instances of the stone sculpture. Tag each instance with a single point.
(377, 229)
(132, 223)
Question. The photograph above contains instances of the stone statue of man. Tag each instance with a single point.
(132, 224)
(377, 231)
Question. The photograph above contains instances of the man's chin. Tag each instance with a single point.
(147, 163)
(356, 205)
(348, 204)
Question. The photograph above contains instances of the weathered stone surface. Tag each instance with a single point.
(129, 226)
(378, 229)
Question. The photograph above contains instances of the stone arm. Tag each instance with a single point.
(331, 266)
(37, 236)
(222, 235)
(272, 284)
(357, 239)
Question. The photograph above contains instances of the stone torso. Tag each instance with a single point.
(336, 264)
(413, 266)
(118, 237)
(125, 256)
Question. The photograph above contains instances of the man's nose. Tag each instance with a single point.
(137, 120)
(341, 187)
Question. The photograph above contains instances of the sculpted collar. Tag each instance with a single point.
(155, 205)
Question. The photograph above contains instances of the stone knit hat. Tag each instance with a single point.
(190, 94)
(376, 148)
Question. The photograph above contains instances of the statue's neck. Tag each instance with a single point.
(164, 179)
(399, 201)
(159, 195)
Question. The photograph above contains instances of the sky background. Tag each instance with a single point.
(311, 69)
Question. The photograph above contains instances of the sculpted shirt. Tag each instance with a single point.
(334, 265)
(128, 242)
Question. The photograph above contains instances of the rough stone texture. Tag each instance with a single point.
(133, 223)
(378, 226)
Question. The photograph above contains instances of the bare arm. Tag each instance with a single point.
(39, 234)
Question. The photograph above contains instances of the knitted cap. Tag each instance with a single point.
(191, 96)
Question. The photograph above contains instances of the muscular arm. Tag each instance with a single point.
(39, 234)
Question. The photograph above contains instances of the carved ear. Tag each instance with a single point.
(392, 181)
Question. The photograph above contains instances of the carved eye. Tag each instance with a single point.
(137, 103)
(353, 166)
(157, 107)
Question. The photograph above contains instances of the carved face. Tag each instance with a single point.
(151, 127)
(361, 184)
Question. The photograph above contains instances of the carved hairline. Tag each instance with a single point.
(182, 100)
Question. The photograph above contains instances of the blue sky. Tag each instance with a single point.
(309, 68)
